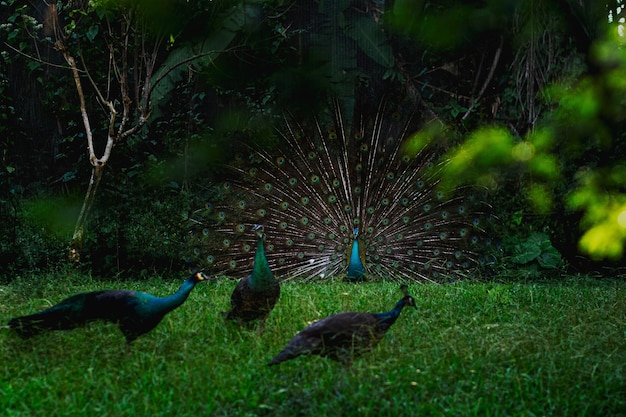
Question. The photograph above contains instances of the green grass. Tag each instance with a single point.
(469, 349)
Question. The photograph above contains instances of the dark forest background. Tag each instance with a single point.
(533, 89)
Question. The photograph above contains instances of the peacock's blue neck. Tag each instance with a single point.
(262, 276)
(166, 304)
(387, 318)
(356, 270)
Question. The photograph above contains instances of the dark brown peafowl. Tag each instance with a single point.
(343, 336)
(342, 198)
(135, 312)
(254, 296)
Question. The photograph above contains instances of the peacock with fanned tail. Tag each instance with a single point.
(135, 312)
(343, 336)
(341, 196)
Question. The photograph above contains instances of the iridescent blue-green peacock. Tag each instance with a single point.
(340, 196)
(135, 312)
(255, 296)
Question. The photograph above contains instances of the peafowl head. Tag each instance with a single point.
(259, 231)
(408, 300)
(198, 276)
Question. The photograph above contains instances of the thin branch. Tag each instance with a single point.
(110, 136)
(123, 79)
(39, 60)
(283, 12)
(111, 63)
(147, 88)
(479, 71)
(496, 59)
(443, 90)
(81, 97)
(138, 67)
(101, 98)
(142, 120)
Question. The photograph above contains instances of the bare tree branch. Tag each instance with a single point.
(494, 64)
(36, 59)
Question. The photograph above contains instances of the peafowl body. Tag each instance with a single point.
(343, 336)
(341, 198)
(254, 296)
(136, 313)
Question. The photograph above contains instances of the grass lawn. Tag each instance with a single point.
(535, 349)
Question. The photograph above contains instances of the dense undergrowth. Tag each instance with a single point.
(555, 348)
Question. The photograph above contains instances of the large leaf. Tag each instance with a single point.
(550, 259)
(335, 53)
(539, 247)
(371, 39)
(338, 41)
(176, 65)
(526, 252)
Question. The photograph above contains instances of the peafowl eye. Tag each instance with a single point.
(341, 197)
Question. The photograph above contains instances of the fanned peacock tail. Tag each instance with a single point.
(337, 199)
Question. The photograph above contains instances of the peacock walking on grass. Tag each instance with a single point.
(345, 335)
(255, 296)
(341, 197)
(135, 312)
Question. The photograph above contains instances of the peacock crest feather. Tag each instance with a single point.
(341, 197)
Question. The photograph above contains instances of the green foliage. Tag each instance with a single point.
(587, 123)
(54, 215)
(542, 125)
(605, 212)
(569, 162)
(223, 24)
(343, 36)
(470, 349)
(139, 232)
(291, 64)
(35, 234)
(537, 248)
(7, 110)
(476, 160)
(444, 26)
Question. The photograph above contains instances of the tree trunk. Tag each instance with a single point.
(76, 245)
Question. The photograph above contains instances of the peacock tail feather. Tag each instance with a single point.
(339, 197)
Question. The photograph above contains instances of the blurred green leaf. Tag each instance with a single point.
(92, 32)
(540, 197)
